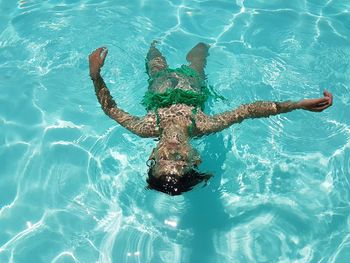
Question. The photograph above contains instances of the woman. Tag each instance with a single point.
(175, 100)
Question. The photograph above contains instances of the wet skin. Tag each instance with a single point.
(174, 154)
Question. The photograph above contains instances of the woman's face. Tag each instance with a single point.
(171, 160)
(174, 156)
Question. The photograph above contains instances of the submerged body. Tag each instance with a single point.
(175, 100)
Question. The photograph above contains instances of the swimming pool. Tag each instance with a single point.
(72, 182)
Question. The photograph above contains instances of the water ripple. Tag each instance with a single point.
(280, 190)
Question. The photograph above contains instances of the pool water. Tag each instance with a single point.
(72, 181)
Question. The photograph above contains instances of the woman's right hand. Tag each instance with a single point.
(96, 61)
(317, 105)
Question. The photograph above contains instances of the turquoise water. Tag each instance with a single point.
(72, 182)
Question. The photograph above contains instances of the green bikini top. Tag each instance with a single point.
(154, 100)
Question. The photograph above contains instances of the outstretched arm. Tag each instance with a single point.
(209, 124)
(144, 127)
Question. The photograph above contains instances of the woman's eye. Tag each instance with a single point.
(178, 157)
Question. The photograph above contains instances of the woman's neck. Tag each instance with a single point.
(175, 134)
(174, 141)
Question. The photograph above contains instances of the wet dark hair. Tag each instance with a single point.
(175, 185)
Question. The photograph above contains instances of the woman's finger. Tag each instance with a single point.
(320, 108)
(322, 103)
(317, 101)
(330, 96)
(326, 93)
(99, 50)
(104, 53)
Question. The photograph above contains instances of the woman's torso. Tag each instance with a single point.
(176, 114)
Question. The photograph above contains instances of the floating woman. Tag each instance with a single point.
(175, 101)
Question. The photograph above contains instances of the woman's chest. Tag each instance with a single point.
(180, 115)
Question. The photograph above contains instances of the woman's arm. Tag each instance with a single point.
(209, 124)
(144, 127)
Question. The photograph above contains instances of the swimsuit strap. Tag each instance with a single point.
(193, 121)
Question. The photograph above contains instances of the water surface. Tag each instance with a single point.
(72, 182)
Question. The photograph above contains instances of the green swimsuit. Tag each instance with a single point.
(195, 95)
